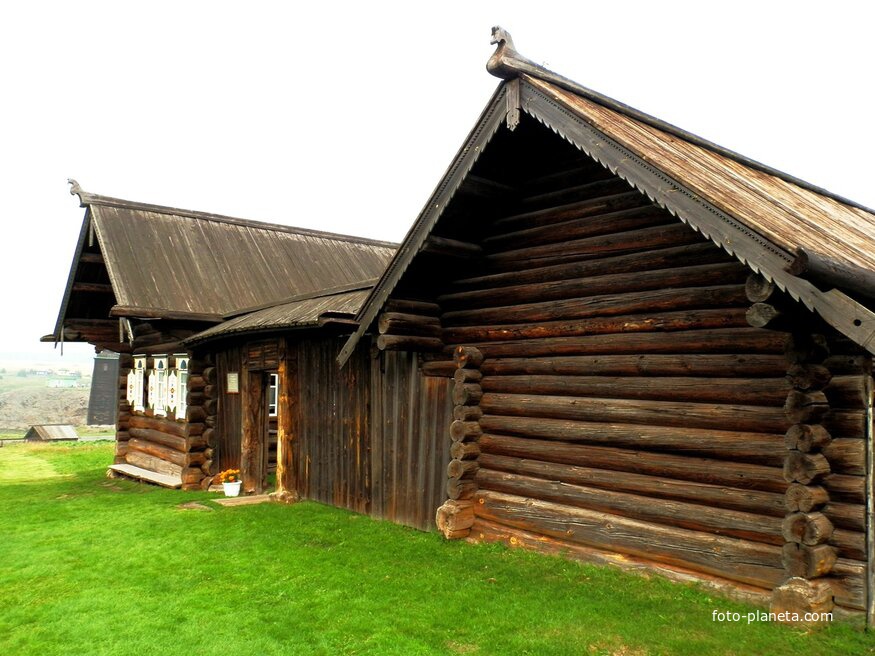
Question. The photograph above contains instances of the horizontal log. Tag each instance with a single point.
(464, 450)
(450, 247)
(195, 414)
(806, 407)
(407, 306)
(852, 365)
(720, 496)
(668, 512)
(641, 365)
(745, 391)
(467, 357)
(603, 305)
(196, 383)
(454, 517)
(845, 391)
(762, 448)
(848, 582)
(662, 258)
(462, 468)
(575, 226)
(850, 516)
(636, 323)
(765, 315)
(461, 376)
(442, 368)
(158, 424)
(578, 181)
(211, 391)
(721, 340)
(94, 287)
(396, 323)
(612, 244)
(195, 458)
(805, 468)
(467, 394)
(758, 289)
(808, 561)
(739, 475)
(467, 413)
(461, 488)
(806, 437)
(588, 207)
(209, 375)
(694, 276)
(175, 442)
(805, 498)
(152, 463)
(807, 528)
(408, 343)
(850, 544)
(740, 560)
(843, 487)
(211, 406)
(462, 431)
(746, 418)
(827, 273)
(846, 456)
(192, 476)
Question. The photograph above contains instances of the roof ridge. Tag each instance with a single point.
(86, 199)
(506, 63)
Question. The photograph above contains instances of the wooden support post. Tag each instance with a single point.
(456, 516)
(287, 410)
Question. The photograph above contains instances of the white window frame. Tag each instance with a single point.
(179, 376)
(158, 386)
(273, 395)
(136, 391)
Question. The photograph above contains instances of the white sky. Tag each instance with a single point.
(342, 116)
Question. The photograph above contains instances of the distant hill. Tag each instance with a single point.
(28, 401)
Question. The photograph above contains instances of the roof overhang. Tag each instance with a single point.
(524, 91)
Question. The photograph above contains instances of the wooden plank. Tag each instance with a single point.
(139, 473)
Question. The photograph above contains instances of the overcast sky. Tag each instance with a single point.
(342, 116)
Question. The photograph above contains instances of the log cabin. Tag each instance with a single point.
(144, 278)
(660, 350)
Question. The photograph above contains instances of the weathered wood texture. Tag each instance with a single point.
(625, 402)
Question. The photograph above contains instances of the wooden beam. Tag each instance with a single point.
(827, 273)
(91, 258)
(92, 287)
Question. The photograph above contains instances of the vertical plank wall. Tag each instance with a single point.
(228, 431)
(372, 437)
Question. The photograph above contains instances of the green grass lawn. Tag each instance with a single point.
(97, 566)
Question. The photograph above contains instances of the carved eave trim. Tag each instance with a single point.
(485, 128)
(506, 63)
(842, 312)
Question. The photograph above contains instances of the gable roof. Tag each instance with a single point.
(756, 213)
(51, 432)
(166, 262)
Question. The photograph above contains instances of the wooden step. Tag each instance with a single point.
(138, 473)
(243, 501)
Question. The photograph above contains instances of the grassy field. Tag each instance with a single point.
(97, 566)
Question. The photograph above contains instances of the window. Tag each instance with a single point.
(273, 394)
(135, 383)
(158, 385)
(177, 385)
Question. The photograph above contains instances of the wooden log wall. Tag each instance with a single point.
(824, 528)
(172, 445)
(632, 399)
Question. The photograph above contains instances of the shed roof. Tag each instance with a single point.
(337, 306)
(168, 262)
(51, 432)
(756, 213)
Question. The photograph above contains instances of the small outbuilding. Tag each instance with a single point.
(51, 433)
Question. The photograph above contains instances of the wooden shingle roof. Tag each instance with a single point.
(754, 212)
(168, 262)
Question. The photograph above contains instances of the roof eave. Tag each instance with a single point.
(481, 134)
